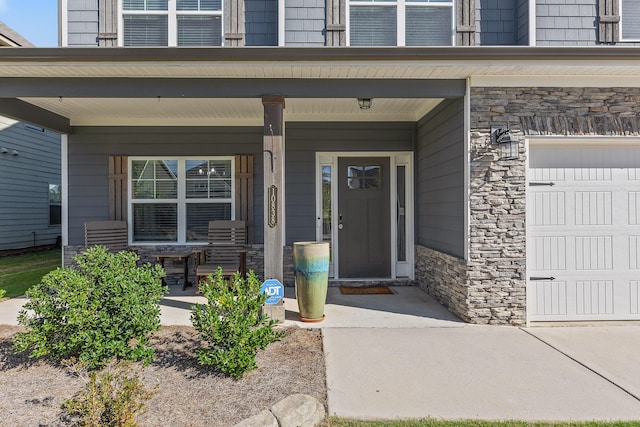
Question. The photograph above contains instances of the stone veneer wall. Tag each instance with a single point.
(497, 252)
(445, 278)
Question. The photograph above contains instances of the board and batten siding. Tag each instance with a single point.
(303, 140)
(24, 185)
(90, 147)
(82, 20)
(440, 179)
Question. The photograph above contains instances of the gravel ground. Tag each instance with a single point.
(31, 391)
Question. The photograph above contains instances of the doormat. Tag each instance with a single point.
(365, 290)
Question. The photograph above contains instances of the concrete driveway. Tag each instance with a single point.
(481, 372)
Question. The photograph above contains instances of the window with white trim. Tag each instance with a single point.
(173, 200)
(630, 20)
(401, 22)
(171, 23)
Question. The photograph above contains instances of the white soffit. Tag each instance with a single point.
(226, 111)
(344, 70)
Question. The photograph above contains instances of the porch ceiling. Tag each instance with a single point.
(222, 86)
(226, 111)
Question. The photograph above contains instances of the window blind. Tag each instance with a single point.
(630, 19)
(373, 26)
(146, 30)
(199, 30)
(199, 215)
(428, 26)
(156, 222)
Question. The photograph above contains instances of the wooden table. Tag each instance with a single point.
(176, 256)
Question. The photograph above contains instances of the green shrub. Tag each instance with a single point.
(111, 397)
(2, 293)
(106, 308)
(231, 323)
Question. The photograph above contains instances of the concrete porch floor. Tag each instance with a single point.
(407, 307)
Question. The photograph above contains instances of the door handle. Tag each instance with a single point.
(542, 278)
(340, 225)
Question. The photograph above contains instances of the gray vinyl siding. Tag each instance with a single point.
(90, 147)
(304, 22)
(24, 185)
(566, 22)
(83, 22)
(496, 22)
(440, 179)
(303, 140)
(523, 22)
(261, 22)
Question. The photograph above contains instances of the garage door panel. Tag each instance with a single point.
(594, 297)
(634, 207)
(594, 253)
(634, 252)
(549, 208)
(634, 297)
(593, 208)
(550, 298)
(583, 220)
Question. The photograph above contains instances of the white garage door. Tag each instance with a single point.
(583, 232)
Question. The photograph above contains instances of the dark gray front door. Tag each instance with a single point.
(364, 231)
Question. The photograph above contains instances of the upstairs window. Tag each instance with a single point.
(401, 22)
(171, 23)
(630, 20)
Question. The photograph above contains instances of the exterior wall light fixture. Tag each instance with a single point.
(509, 146)
(364, 103)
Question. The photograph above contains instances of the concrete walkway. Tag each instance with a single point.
(405, 356)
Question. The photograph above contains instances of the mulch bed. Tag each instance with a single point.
(31, 391)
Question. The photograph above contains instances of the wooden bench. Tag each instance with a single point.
(111, 234)
(225, 249)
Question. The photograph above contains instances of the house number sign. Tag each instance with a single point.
(273, 205)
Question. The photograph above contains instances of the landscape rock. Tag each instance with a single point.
(298, 410)
(263, 419)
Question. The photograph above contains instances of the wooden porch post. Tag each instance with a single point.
(273, 186)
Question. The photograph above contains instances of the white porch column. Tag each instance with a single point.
(273, 186)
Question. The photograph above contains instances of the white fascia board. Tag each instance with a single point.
(555, 81)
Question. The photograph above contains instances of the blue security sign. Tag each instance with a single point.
(274, 290)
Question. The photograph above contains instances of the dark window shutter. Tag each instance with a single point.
(233, 22)
(335, 33)
(608, 21)
(118, 166)
(466, 23)
(244, 192)
(108, 23)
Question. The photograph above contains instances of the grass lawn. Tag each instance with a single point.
(340, 422)
(20, 272)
